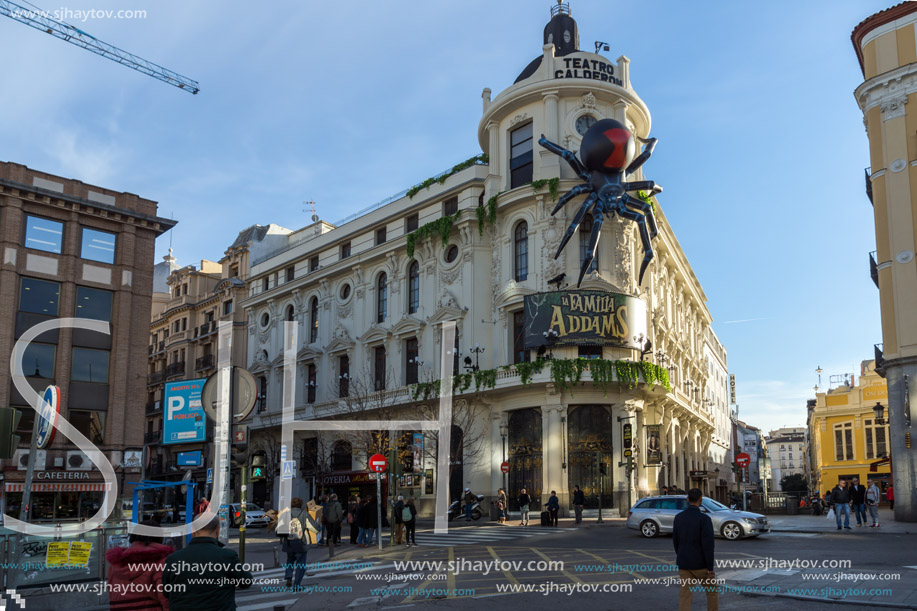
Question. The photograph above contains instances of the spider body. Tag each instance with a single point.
(607, 157)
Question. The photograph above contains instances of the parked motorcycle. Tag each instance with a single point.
(456, 509)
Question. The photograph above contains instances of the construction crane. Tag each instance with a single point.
(41, 20)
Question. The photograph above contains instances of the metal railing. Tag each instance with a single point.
(873, 268)
(869, 186)
(204, 362)
(152, 437)
(175, 369)
(155, 378)
(153, 407)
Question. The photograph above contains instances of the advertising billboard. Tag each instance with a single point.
(184, 420)
(584, 318)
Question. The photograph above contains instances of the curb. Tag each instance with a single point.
(836, 601)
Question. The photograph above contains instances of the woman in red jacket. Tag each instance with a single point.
(133, 587)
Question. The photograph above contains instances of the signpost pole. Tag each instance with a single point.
(244, 480)
(598, 469)
(379, 508)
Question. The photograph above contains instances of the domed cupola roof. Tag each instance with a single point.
(561, 32)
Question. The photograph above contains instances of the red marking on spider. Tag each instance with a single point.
(619, 138)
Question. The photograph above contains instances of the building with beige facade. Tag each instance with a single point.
(73, 250)
(786, 448)
(371, 294)
(886, 49)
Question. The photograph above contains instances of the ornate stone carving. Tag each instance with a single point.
(623, 254)
(449, 276)
(518, 119)
(589, 100)
(345, 311)
(893, 108)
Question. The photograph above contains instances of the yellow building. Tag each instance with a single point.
(844, 435)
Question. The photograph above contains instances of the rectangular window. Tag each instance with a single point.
(43, 234)
(98, 246)
(89, 423)
(90, 366)
(176, 326)
(345, 250)
(310, 384)
(411, 363)
(227, 307)
(590, 352)
(876, 439)
(184, 289)
(450, 206)
(291, 271)
(344, 377)
(313, 264)
(379, 368)
(234, 271)
(380, 236)
(520, 159)
(411, 223)
(843, 441)
(93, 303)
(520, 354)
(38, 361)
(39, 296)
(184, 324)
(265, 284)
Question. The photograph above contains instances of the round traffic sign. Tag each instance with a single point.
(377, 463)
(50, 410)
(742, 459)
(504, 466)
(245, 393)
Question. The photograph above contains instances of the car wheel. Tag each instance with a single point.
(731, 531)
(649, 529)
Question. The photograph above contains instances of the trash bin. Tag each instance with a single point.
(494, 514)
(792, 506)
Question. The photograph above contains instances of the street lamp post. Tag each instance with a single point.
(504, 431)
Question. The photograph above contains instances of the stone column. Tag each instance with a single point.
(552, 454)
(495, 457)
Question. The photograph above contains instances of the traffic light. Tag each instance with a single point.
(9, 422)
(240, 448)
(602, 469)
(258, 468)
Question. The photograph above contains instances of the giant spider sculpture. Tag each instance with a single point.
(606, 149)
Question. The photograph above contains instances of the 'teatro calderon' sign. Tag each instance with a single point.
(584, 318)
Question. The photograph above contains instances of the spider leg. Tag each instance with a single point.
(569, 156)
(598, 219)
(642, 157)
(644, 237)
(641, 206)
(643, 185)
(577, 219)
(577, 190)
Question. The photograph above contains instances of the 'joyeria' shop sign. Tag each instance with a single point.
(584, 318)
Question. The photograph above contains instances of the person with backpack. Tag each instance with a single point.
(399, 522)
(409, 518)
(524, 501)
(294, 545)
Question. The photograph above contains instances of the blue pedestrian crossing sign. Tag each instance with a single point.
(209, 476)
(288, 469)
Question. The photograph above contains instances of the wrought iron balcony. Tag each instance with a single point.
(873, 268)
(153, 408)
(175, 369)
(152, 437)
(869, 186)
(204, 362)
(155, 378)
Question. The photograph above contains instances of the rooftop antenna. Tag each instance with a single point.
(311, 205)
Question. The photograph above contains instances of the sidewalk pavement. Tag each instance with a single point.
(810, 523)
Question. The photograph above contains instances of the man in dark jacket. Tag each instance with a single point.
(692, 535)
(840, 498)
(858, 501)
(399, 522)
(579, 499)
(206, 573)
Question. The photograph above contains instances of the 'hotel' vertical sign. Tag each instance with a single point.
(732, 389)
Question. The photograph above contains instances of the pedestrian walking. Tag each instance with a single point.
(470, 500)
(370, 521)
(692, 535)
(579, 499)
(323, 502)
(353, 513)
(840, 498)
(331, 517)
(501, 506)
(135, 574)
(524, 501)
(294, 545)
(409, 518)
(399, 520)
(361, 522)
(553, 507)
(890, 496)
(858, 501)
(873, 496)
(204, 576)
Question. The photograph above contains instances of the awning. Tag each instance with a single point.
(57, 487)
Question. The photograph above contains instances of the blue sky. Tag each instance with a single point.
(761, 144)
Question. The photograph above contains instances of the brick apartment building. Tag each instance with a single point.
(75, 250)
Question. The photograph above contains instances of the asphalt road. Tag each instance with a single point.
(586, 555)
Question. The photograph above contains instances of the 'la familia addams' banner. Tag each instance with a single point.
(585, 318)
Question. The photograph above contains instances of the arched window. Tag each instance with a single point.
(342, 456)
(289, 313)
(413, 287)
(585, 231)
(521, 252)
(381, 298)
(313, 320)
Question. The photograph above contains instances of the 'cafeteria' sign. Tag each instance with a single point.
(585, 318)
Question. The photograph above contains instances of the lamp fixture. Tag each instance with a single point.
(879, 411)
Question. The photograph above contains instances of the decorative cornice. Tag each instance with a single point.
(887, 90)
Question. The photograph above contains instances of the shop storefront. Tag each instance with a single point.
(347, 484)
(56, 501)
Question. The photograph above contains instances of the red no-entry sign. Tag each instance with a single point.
(377, 463)
(742, 459)
(504, 466)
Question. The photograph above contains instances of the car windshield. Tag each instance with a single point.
(711, 505)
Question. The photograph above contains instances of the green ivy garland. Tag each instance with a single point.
(552, 183)
(488, 213)
(648, 199)
(441, 226)
(482, 159)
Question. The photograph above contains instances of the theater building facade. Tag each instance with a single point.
(601, 386)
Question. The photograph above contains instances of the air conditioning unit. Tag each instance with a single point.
(77, 461)
(21, 457)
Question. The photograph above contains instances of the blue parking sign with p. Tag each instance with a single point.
(184, 418)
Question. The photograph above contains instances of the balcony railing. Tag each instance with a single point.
(153, 408)
(155, 378)
(204, 362)
(175, 369)
(873, 268)
(869, 187)
(152, 437)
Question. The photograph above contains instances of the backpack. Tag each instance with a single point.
(296, 527)
(406, 515)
